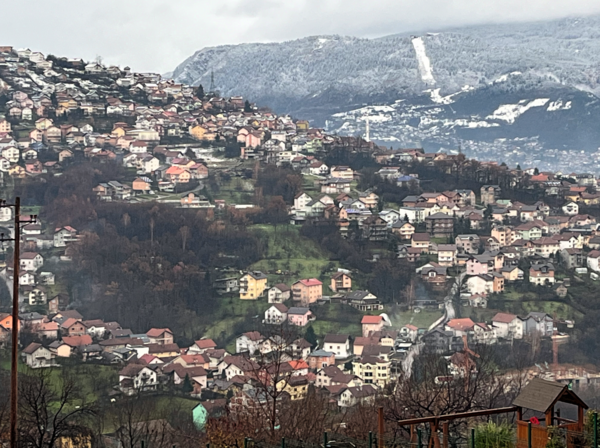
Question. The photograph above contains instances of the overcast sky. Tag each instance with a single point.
(156, 35)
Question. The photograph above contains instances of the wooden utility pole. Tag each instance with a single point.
(380, 431)
(14, 358)
(14, 394)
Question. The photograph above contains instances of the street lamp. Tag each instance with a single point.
(15, 313)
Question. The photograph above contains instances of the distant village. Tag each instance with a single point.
(169, 135)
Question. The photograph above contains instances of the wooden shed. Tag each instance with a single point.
(542, 396)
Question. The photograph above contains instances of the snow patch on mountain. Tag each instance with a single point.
(423, 61)
(558, 105)
(510, 112)
(505, 77)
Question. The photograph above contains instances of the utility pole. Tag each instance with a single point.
(14, 392)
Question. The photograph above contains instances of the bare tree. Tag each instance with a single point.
(49, 411)
(185, 233)
(137, 420)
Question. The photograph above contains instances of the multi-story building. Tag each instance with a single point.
(440, 225)
(307, 291)
(252, 285)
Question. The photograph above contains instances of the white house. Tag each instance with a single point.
(279, 293)
(338, 344)
(508, 326)
(35, 356)
(276, 314)
(63, 235)
(26, 279)
(570, 209)
(137, 378)
(249, 342)
(355, 395)
(31, 261)
(593, 260)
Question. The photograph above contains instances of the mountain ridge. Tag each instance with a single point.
(454, 76)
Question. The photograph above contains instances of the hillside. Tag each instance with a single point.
(474, 85)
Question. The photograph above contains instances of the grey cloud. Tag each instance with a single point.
(155, 35)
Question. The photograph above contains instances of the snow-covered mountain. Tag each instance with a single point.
(517, 87)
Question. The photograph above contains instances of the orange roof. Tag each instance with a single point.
(461, 324)
(371, 319)
(156, 332)
(175, 170)
(298, 365)
(76, 341)
(205, 343)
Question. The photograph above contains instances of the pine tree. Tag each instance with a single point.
(200, 92)
(247, 106)
(187, 385)
(310, 336)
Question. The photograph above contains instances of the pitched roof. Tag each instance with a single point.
(462, 324)
(310, 282)
(156, 332)
(540, 395)
(371, 319)
(336, 338)
(205, 343)
(31, 348)
(298, 310)
(76, 341)
(504, 318)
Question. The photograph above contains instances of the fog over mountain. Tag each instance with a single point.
(513, 91)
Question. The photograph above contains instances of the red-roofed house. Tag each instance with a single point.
(307, 290)
(160, 336)
(371, 324)
(73, 327)
(461, 326)
(508, 326)
(201, 346)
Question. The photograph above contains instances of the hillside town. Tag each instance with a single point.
(470, 253)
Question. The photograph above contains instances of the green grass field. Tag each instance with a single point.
(287, 250)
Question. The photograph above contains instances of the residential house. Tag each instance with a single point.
(353, 396)
(446, 254)
(340, 282)
(468, 244)
(307, 291)
(249, 342)
(31, 261)
(252, 285)
(420, 241)
(342, 172)
(299, 316)
(372, 324)
(276, 314)
(540, 323)
(440, 225)
(161, 336)
(226, 285)
(572, 258)
(135, 378)
(35, 355)
(320, 359)
(593, 260)
(403, 229)
(489, 194)
(372, 370)
(338, 344)
(508, 326)
(279, 293)
(542, 274)
(73, 327)
(202, 346)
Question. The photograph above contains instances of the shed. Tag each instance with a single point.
(542, 396)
